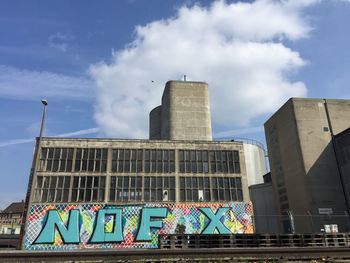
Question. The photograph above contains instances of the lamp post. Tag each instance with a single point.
(32, 175)
(44, 102)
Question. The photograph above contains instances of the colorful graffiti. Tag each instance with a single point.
(79, 226)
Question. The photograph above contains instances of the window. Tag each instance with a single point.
(224, 162)
(125, 188)
(127, 160)
(159, 188)
(227, 189)
(91, 160)
(53, 189)
(56, 159)
(192, 161)
(159, 161)
(194, 189)
(88, 189)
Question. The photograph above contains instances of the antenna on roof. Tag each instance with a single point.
(184, 77)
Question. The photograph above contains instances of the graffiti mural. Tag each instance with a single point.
(79, 226)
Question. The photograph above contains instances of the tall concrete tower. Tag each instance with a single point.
(184, 113)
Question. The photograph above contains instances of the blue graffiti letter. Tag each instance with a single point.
(69, 234)
(215, 222)
(144, 233)
(100, 235)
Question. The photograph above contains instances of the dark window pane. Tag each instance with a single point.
(91, 166)
(221, 182)
(126, 182)
(153, 182)
(239, 195)
(172, 182)
(188, 182)
(97, 166)
(51, 150)
(233, 182)
(166, 182)
(66, 182)
(89, 182)
(96, 179)
(55, 166)
(132, 182)
(172, 166)
(139, 166)
(182, 195)
(213, 182)
(182, 167)
(238, 182)
(182, 182)
(77, 166)
(188, 195)
(139, 154)
(101, 195)
(172, 155)
(200, 182)
(172, 195)
(226, 183)
(104, 154)
(195, 195)
(194, 182)
(147, 166)
(113, 182)
(206, 182)
(147, 182)
(139, 182)
(206, 195)
(88, 195)
(94, 195)
(57, 153)
(159, 182)
(227, 195)
(39, 181)
(60, 182)
(181, 155)
(112, 195)
(53, 182)
(74, 195)
(159, 195)
(215, 195)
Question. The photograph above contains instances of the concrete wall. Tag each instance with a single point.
(265, 210)
(302, 160)
(185, 111)
(255, 163)
(155, 123)
(342, 142)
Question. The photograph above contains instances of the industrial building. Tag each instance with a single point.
(308, 147)
(179, 166)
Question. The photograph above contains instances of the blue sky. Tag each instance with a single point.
(102, 66)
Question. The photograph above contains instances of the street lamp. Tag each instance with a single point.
(32, 175)
(44, 102)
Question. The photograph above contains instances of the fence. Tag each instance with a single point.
(254, 240)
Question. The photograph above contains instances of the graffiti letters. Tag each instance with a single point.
(80, 226)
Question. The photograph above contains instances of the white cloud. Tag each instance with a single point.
(237, 48)
(68, 134)
(31, 85)
(59, 41)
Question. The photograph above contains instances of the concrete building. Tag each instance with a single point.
(342, 146)
(180, 164)
(11, 219)
(264, 205)
(184, 113)
(305, 173)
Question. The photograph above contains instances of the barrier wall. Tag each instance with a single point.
(80, 226)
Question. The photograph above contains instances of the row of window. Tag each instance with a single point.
(136, 188)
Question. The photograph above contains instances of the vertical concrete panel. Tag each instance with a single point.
(255, 163)
(186, 111)
(155, 123)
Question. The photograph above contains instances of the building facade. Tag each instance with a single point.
(11, 219)
(304, 168)
(180, 175)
